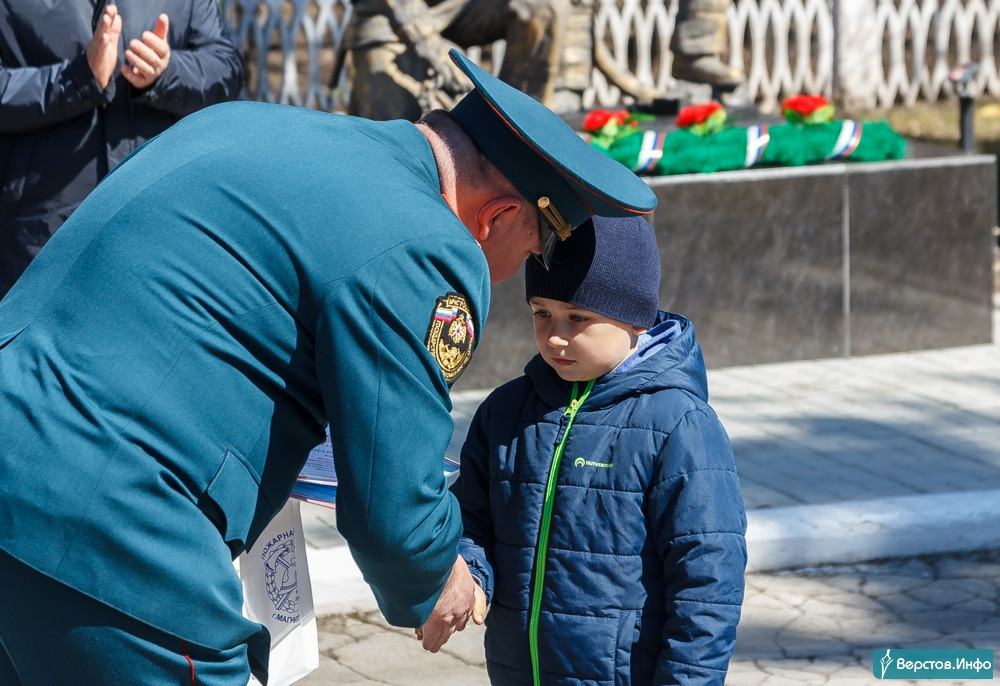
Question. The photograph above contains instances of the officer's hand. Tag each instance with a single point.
(102, 50)
(478, 610)
(457, 603)
(148, 58)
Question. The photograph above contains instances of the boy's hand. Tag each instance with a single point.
(479, 609)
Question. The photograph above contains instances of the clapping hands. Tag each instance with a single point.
(102, 50)
(145, 59)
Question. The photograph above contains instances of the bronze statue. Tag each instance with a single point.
(400, 69)
(699, 40)
(399, 50)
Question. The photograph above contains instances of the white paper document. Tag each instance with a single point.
(317, 482)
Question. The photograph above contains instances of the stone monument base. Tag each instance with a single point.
(830, 260)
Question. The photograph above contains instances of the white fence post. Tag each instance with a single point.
(857, 54)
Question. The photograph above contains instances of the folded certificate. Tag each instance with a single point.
(317, 482)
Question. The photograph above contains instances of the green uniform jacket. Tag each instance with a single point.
(172, 355)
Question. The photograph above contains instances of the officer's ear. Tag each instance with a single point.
(494, 213)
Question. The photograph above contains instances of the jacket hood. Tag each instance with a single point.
(671, 358)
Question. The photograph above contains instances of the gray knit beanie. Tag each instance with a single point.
(609, 265)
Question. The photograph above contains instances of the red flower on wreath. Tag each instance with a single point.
(702, 119)
(807, 109)
(596, 119)
(605, 127)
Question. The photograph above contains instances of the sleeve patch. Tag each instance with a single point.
(451, 335)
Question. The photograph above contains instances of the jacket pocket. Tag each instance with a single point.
(630, 621)
(7, 338)
(234, 490)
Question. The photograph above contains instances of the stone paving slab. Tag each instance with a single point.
(825, 431)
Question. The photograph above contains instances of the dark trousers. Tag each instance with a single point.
(52, 635)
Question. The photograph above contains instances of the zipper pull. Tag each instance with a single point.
(574, 403)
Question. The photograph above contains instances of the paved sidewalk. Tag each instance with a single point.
(860, 458)
(815, 627)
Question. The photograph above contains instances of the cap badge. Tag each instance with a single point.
(559, 225)
(451, 335)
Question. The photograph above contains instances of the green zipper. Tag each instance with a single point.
(543, 533)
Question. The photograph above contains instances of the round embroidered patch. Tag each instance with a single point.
(451, 335)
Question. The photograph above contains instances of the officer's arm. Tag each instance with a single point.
(389, 412)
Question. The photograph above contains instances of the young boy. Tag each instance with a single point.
(603, 514)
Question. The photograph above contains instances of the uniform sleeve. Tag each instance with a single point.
(205, 70)
(388, 407)
(473, 492)
(36, 98)
(699, 525)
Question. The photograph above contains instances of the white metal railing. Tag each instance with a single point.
(924, 40)
(867, 52)
(287, 30)
(787, 47)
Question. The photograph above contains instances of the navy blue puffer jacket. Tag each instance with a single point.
(644, 551)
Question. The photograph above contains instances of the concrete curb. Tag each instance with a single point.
(811, 535)
(782, 538)
(337, 586)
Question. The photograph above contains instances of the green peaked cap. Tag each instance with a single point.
(546, 160)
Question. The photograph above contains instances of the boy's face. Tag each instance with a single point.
(579, 344)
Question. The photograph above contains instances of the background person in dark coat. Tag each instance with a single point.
(83, 84)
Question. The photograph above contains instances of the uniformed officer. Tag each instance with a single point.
(172, 355)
